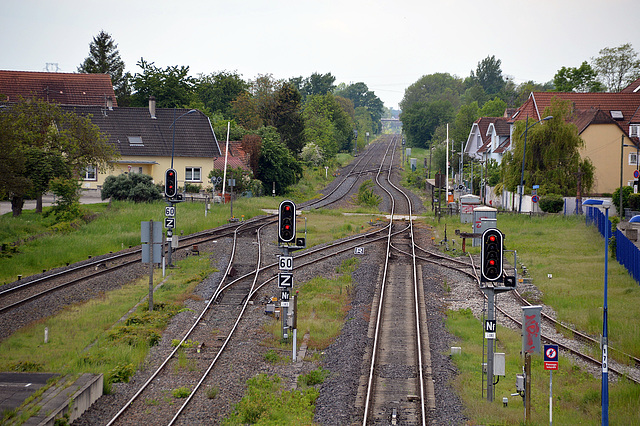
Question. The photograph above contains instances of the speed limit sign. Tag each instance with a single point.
(286, 263)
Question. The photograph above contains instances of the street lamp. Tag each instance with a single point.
(605, 337)
(524, 151)
(173, 139)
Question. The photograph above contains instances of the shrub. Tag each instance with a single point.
(626, 192)
(181, 392)
(634, 202)
(366, 196)
(135, 187)
(551, 203)
(121, 373)
(314, 377)
(192, 188)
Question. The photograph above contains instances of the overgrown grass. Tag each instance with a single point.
(266, 402)
(87, 338)
(322, 305)
(116, 227)
(576, 393)
(573, 254)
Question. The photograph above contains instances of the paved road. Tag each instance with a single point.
(88, 197)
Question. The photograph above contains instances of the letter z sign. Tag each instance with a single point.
(285, 280)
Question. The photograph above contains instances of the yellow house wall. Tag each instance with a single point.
(157, 171)
(602, 146)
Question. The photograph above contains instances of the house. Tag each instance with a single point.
(489, 138)
(152, 140)
(149, 140)
(58, 88)
(609, 124)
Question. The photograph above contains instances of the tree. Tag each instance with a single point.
(489, 75)
(617, 67)
(552, 158)
(493, 108)
(43, 143)
(420, 121)
(276, 164)
(172, 87)
(218, 91)
(582, 79)
(327, 125)
(432, 87)
(245, 111)
(466, 116)
(361, 96)
(251, 144)
(104, 58)
(316, 84)
(287, 117)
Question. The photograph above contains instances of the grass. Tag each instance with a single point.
(574, 256)
(576, 393)
(322, 305)
(88, 338)
(266, 402)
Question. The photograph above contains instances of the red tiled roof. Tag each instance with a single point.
(237, 157)
(632, 88)
(59, 88)
(585, 104)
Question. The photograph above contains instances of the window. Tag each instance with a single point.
(634, 130)
(633, 158)
(192, 174)
(135, 141)
(90, 173)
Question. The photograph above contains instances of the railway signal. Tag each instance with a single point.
(492, 246)
(287, 222)
(170, 183)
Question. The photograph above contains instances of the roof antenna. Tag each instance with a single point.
(52, 65)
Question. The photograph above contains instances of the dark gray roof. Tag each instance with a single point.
(125, 127)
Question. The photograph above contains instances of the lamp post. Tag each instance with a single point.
(171, 201)
(605, 335)
(524, 151)
(173, 138)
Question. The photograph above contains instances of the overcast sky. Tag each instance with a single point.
(386, 44)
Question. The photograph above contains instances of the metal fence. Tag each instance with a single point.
(627, 253)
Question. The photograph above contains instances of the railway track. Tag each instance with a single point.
(230, 294)
(398, 385)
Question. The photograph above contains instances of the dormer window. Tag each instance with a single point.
(135, 141)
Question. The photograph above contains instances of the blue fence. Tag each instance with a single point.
(627, 253)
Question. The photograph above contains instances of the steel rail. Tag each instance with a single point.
(187, 334)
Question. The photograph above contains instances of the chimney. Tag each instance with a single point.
(109, 103)
(152, 107)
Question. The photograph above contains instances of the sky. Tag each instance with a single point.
(388, 45)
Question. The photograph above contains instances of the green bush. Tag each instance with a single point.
(626, 192)
(121, 373)
(314, 377)
(551, 203)
(634, 202)
(136, 187)
(181, 392)
(192, 188)
(366, 196)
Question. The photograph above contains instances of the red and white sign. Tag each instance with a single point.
(550, 357)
